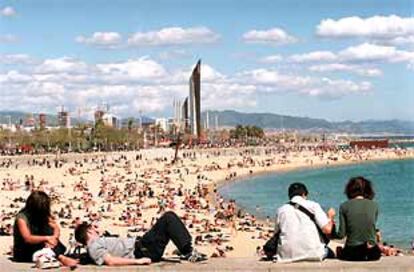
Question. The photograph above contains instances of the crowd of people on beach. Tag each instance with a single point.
(149, 196)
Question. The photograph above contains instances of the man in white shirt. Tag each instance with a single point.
(299, 237)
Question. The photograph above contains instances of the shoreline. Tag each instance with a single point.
(222, 183)
(262, 218)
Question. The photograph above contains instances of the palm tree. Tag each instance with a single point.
(130, 124)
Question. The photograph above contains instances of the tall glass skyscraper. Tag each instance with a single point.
(195, 97)
(184, 115)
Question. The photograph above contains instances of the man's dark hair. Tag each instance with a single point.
(297, 189)
(81, 233)
(359, 186)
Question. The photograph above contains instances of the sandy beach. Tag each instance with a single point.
(123, 193)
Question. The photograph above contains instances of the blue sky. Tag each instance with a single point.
(339, 60)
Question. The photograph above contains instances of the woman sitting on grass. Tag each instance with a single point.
(357, 219)
(35, 229)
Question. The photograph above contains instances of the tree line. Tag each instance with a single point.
(243, 132)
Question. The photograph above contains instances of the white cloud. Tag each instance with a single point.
(48, 89)
(174, 54)
(8, 38)
(16, 59)
(174, 36)
(14, 76)
(328, 88)
(101, 39)
(382, 27)
(271, 81)
(8, 11)
(75, 83)
(144, 84)
(401, 41)
(392, 30)
(271, 59)
(340, 67)
(226, 95)
(350, 58)
(61, 65)
(367, 52)
(316, 56)
(273, 36)
(369, 72)
(133, 69)
(210, 74)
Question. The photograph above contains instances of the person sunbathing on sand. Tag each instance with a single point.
(387, 250)
(115, 251)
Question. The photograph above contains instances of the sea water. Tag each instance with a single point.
(393, 183)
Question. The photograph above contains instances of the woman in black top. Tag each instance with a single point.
(357, 219)
(34, 229)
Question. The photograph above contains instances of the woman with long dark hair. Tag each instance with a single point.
(357, 220)
(35, 229)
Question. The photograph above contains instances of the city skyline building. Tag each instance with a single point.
(110, 120)
(177, 104)
(207, 121)
(42, 120)
(184, 115)
(194, 99)
(63, 118)
(98, 115)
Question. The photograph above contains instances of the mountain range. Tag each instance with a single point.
(15, 117)
(271, 121)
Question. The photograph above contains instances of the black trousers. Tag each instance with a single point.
(168, 227)
(331, 254)
(360, 253)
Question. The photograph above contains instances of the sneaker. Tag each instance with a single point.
(47, 262)
(268, 259)
(194, 257)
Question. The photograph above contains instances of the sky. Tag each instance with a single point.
(337, 60)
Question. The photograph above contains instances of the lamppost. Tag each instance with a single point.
(140, 119)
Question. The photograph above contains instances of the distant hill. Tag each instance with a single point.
(16, 116)
(269, 121)
(275, 121)
(137, 121)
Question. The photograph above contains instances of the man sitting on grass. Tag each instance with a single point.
(141, 250)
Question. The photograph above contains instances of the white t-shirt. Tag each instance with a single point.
(299, 237)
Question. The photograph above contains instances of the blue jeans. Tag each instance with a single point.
(329, 254)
